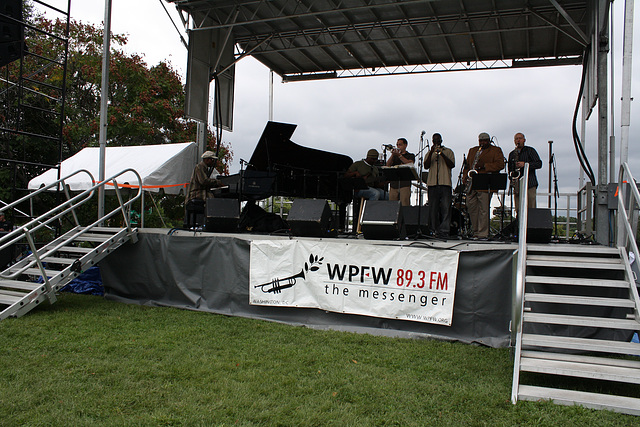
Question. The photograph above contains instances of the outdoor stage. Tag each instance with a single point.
(212, 272)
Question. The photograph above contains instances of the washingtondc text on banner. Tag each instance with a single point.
(396, 282)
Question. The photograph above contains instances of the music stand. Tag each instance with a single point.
(394, 173)
(489, 182)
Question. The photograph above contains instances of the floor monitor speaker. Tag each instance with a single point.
(416, 217)
(382, 220)
(222, 215)
(310, 218)
(539, 225)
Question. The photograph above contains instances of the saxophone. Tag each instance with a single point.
(514, 174)
(472, 172)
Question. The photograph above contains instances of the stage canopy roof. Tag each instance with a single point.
(315, 39)
(165, 166)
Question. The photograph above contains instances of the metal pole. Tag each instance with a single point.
(104, 102)
(612, 137)
(550, 167)
(270, 95)
(625, 113)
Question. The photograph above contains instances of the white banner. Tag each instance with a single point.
(395, 282)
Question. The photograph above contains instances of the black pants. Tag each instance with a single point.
(194, 213)
(439, 209)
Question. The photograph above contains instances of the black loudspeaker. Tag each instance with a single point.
(11, 32)
(222, 215)
(412, 222)
(310, 218)
(382, 220)
(539, 225)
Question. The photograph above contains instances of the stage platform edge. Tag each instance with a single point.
(210, 272)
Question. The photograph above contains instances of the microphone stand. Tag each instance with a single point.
(419, 233)
(463, 212)
(556, 194)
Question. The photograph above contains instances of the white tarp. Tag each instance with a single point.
(416, 284)
(164, 166)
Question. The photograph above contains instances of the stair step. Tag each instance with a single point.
(93, 237)
(577, 281)
(112, 230)
(580, 344)
(585, 321)
(622, 404)
(594, 360)
(75, 249)
(58, 260)
(18, 284)
(572, 259)
(590, 264)
(597, 371)
(9, 298)
(573, 249)
(579, 300)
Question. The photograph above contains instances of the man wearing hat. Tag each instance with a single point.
(367, 169)
(199, 186)
(483, 158)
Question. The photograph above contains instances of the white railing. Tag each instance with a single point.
(627, 222)
(517, 306)
(69, 206)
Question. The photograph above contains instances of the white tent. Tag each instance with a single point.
(164, 166)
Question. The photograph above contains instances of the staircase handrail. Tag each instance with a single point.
(518, 286)
(60, 184)
(27, 230)
(625, 230)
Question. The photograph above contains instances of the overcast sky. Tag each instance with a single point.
(349, 116)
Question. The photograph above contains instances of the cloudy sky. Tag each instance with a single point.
(349, 116)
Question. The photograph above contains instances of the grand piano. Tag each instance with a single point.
(280, 167)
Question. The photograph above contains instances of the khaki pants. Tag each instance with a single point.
(531, 198)
(478, 206)
(403, 194)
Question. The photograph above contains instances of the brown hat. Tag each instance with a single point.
(373, 153)
(484, 137)
(209, 155)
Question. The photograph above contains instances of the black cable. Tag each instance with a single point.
(582, 157)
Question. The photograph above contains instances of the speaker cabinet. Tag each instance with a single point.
(11, 33)
(310, 218)
(416, 217)
(382, 220)
(539, 225)
(222, 215)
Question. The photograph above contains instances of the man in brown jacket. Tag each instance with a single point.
(484, 158)
(199, 189)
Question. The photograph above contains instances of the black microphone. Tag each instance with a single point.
(388, 146)
(422, 133)
(245, 162)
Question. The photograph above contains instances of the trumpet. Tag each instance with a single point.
(277, 285)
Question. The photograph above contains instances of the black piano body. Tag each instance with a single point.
(280, 167)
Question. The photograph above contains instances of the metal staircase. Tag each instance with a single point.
(37, 277)
(575, 310)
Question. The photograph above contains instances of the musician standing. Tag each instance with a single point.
(401, 190)
(199, 186)
(484, 158)
(367, 169)
(439, 161)
(517, 158)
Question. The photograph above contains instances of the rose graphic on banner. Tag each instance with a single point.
(276, 285)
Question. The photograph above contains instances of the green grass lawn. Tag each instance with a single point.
(89, 361)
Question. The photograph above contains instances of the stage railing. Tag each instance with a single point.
(519, 283)
(628, 223)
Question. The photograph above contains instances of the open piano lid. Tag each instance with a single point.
(275, 150)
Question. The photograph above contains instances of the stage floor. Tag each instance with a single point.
(211, 272)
